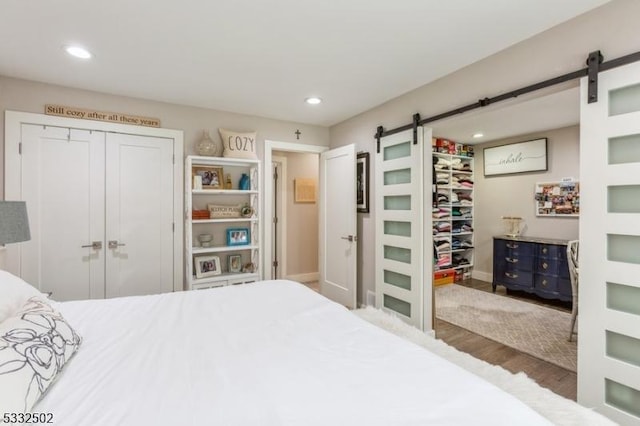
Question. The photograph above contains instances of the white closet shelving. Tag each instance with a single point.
(218, 227)
(453, 212)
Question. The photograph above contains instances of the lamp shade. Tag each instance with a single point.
(14, 224)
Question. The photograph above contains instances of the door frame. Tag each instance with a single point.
(12, 169)
(282, 199)
(267, 208)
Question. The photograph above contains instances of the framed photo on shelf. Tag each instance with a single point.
(235, 263)
(207, 266)
(212, 177)
(362, 182)
(238, 236)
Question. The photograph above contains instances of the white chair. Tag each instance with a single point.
(572, 260)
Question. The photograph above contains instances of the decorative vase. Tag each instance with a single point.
(206, 145)
(244, 182)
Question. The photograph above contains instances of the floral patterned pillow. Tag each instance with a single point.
(35, 344)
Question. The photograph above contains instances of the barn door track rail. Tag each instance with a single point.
(595, 64)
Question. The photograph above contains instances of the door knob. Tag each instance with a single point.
(96, 245)
(350, 238)
(115, 244)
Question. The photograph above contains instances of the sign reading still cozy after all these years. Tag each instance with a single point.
(89, 114)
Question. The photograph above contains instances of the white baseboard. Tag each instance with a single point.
(482, 276)
(304, 278)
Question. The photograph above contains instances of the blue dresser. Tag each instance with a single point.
(534, 265)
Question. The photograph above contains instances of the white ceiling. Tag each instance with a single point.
(263, 57)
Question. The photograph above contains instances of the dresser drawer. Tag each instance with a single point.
(518, 248)
(547, 266)
(515, 278)
(546, 283)
(522, 263)
(551, 251)
(552, 287)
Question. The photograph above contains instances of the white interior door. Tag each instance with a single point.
(403, 281)
(62, 182)
(139, 219)
(609, 263)
(338, 238)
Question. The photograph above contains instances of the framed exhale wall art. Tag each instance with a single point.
(362, 182)
(521, 157)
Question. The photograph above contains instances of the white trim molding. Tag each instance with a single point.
(269, 147)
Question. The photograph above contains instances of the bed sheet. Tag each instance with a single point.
(266, 353)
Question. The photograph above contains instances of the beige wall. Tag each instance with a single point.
(302, 218)
(513, 195)
(29, 96)
(611, 28)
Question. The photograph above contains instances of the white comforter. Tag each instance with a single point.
(269, 353)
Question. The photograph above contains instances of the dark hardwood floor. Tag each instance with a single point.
(557, 379)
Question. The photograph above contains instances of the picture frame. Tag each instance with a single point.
(238, 236)
(234, 262)
(304, 190)
(521, 157)
(207, 266)
(212, 177)
(362, 182)
(558, 199)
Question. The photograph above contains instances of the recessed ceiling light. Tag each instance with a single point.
(478, 135)
(313, 100)
(78, 52)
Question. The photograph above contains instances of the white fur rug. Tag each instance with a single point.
(559, 410)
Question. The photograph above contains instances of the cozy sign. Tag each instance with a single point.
(519, 157)
(90, 114)
(238, 145)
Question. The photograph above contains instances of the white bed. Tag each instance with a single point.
(269, 353)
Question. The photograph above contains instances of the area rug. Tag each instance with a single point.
(533, 329)
(558, 410)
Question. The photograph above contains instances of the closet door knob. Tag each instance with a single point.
(96, 245)
(115, 244)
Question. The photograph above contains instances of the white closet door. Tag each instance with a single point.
(399, 227)
(62, 181)
(139, 215)
(609, 263)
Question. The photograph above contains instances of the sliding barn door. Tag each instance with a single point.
(609, 264)
(402, 286)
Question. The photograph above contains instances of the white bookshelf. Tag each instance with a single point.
(200, 199)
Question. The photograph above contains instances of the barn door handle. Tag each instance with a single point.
(115, 244)
(96, 245)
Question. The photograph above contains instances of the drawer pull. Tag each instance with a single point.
(511, 275)
(511, 245)
(510, 260)
(544, 283)
(545, 250)
(545, 265)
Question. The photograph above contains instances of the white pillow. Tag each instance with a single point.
(35, 344)
(14, 292)
(238, 145)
